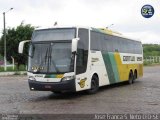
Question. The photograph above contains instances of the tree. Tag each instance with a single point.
(151, 50)
(13, 37)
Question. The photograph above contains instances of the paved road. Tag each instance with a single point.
(141, 97)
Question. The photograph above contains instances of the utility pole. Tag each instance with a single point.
(5, 54)
(4, 20)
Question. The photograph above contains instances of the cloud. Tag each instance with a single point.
(124, 14)
(144, 37)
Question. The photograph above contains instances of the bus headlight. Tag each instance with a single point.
(31, 78)
(68, 78)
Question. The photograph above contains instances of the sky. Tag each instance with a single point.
(123, 16)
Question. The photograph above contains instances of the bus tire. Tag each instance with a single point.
(94, 85)
(131, 78)
(135, 76)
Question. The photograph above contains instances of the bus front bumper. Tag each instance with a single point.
(67, 86)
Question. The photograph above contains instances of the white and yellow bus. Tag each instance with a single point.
(77, 58)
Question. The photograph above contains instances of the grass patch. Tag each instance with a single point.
(145, 63)
(10, 69)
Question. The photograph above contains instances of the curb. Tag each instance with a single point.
(13, 73)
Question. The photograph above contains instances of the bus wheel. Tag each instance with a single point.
(131, 78)
(94, 85)
(135, 76)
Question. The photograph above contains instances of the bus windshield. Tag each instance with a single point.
(50, 57)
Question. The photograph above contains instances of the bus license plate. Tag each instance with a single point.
(47, 87)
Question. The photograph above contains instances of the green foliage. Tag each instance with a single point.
(1, 57)
(13, 37)
(21, 68)
(151, 50)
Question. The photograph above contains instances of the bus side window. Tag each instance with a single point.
(82, 51)
(80, 57)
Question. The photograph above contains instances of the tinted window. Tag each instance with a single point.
(96, 39)
(109, 43)
(82, 51)
(53, 34)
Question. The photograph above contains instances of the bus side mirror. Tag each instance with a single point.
(74, 44)
(21, 46)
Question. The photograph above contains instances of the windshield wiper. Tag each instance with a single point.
(46, 56)
(43, 61)
(50, 59)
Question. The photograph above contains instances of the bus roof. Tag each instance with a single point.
(113, 33)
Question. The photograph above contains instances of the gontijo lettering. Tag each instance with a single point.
(128, 58)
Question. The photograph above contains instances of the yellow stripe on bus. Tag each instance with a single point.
(124, 69)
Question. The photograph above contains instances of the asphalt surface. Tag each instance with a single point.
(141, 97)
